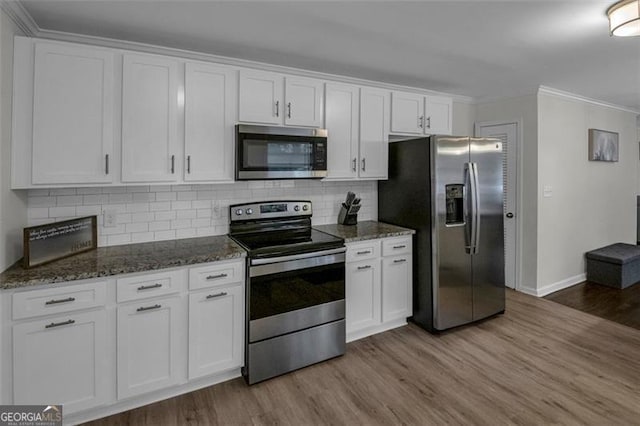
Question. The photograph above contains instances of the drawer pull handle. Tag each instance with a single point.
(399, 260)
(399, 247)
(364, 252)
(58, 324)
(215, 277)
(149, 287)
(360, 268)
(56, 301)
(148, 308)
(213, 296)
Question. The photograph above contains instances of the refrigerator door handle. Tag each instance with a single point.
(475, 214)
(468, 214)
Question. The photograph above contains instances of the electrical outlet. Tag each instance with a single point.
(216, 209)
(109, 218)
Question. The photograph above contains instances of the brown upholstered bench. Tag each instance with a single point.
(617, 265)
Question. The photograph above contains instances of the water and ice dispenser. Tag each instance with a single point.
(454, 194)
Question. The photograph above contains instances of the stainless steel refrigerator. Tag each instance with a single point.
(450, 190)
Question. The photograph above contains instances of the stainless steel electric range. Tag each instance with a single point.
(295, 305)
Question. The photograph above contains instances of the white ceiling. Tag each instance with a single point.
(483, 49)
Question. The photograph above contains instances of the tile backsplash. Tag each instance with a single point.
(154, 213)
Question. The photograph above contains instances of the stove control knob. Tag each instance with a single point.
(297, 208)
(248, 211)
(305, 207)
(238, 212)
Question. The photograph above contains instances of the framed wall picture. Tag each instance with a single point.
(603, 145)
(53, 241)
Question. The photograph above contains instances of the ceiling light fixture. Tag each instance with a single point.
(624, 18)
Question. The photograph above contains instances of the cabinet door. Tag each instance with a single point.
(216, 330)
(210, 114)
(62, 360)
(438, 113)
(341, 121)
(363, 294)
(397, 287)
(149, 119)
(72, 114)
(303, 102)
(149, 353)
(260, 97)
(407, 113)
(374, 133)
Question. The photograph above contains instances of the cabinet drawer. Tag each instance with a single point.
(35, 303)
(363, 250)
(216, 274)
(394, 246)
(149, 285)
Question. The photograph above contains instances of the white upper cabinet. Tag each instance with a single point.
(413, 113)
(342, 106)
(261, 96)
(303, 97)
(210, 115)
(438, 112)
(374, 133)
(149, 119)
(271, 98)
(72, 114)
(407, 112)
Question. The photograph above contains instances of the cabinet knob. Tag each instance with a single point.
(364, 164)
(173, 164)
(355, 162)
(188, 164)
(289, 110)
(277, 108)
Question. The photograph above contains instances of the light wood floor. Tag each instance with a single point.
(541, 363)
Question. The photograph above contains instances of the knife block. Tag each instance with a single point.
(346, 218)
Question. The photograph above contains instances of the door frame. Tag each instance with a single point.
(518, 199)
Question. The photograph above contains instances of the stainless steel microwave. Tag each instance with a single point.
(267, 152)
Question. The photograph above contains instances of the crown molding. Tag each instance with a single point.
(19, 15)
(568, 95)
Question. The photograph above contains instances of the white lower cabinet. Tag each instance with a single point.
(102, 346)
(61, 360)
(148, 354)
(216, 330)
(379, 285)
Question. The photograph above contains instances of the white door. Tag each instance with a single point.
(62, 360)
(303, 98)
(508, 133)
(374, 133)
(362, 288)
(72, 114)
(149, 119)
(342, 103)
(216, 330)
(407, 113)
(437, 115)
(149, 353)
(261, 97)
(210, 114)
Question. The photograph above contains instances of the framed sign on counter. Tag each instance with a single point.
(53, 241)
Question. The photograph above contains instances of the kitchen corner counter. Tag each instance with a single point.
(124, 259)
(366, 230)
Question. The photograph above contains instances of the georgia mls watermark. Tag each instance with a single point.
(30, 415)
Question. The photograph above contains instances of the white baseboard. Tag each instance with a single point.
(552, 288)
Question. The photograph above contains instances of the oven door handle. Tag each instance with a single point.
(255, 262)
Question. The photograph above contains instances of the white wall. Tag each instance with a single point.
(13, 208)
(464, 118)
(524, 110)
(593, 203)
(153, 213)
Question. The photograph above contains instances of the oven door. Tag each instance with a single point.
(295, 292)
(299, 154)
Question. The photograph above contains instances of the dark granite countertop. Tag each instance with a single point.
(106, 261)
(366, 230)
